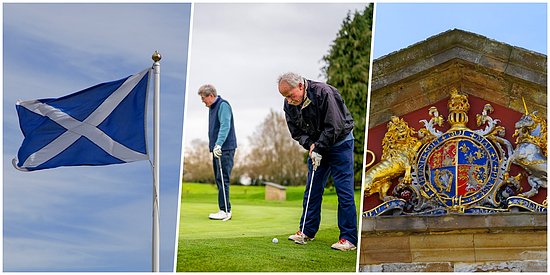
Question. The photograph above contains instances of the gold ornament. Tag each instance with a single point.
(399, 148)
(458, 110)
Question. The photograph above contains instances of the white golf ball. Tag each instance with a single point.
(275, 240)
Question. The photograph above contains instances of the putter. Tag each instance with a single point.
(223, 190)
(303, 241)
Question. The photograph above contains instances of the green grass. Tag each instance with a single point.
(244, 243)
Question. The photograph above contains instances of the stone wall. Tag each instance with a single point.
(498, 242)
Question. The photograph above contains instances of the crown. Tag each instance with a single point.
(458, 110)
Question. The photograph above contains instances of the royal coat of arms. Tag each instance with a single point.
(461, 170)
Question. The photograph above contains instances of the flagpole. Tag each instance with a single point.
(156, 160)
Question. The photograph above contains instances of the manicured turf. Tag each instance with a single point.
(245, 242)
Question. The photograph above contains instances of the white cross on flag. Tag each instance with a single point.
(101, 125)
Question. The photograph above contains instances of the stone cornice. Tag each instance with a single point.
(509, 60)
(494, 222)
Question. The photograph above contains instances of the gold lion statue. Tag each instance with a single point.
(399, 148)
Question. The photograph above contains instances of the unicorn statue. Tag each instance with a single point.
(531, 151)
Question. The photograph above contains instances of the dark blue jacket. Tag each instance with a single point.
(323, 122)
(214, 127)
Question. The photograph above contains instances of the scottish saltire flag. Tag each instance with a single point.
(101, 125)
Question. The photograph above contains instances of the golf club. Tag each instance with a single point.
(307, 205)
(223, 190)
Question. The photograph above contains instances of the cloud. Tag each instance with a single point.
(243, 48)
(78, 26)
(96, 213)
(90, 218)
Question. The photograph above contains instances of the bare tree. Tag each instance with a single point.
(197, 163)
(274, 155)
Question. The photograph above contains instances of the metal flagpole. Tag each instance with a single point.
(156, 160)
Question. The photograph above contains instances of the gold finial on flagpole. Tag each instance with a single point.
(156, 56)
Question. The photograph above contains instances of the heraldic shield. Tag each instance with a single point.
(460, 170)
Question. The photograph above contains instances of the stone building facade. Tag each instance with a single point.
(478, 230)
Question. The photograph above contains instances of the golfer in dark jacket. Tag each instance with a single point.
(320, 121)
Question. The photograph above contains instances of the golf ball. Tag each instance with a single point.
(275, 240)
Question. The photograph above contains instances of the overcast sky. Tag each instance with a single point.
(90, 218)
(400, 25)
(242, 49)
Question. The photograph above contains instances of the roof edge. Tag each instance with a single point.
(457, 38)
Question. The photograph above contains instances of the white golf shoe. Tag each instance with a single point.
(299, 238)
(227, 216)
(343, 245)
(221, 215)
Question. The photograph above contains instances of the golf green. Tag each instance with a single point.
(244, 243)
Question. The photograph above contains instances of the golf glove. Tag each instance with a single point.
(316, 159)
(217, 151)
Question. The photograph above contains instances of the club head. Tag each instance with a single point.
(301, 241)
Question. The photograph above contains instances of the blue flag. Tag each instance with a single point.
(101, 125)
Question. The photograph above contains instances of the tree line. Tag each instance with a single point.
(274, 155)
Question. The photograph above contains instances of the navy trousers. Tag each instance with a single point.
(338, 162)
(227, 165)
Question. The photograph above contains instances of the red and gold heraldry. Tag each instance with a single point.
(460, 170)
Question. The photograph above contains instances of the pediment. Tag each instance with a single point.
(422, 74)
